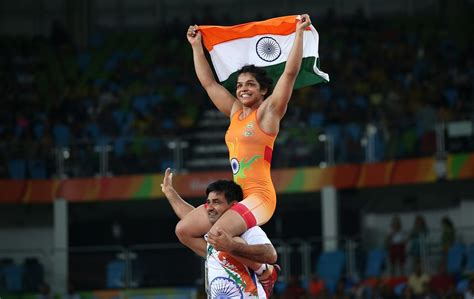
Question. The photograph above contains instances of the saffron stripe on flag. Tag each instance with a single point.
(213, 35)
(265, 44)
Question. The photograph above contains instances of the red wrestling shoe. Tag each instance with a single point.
(269, 282)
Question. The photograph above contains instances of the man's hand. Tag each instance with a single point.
(256, 253)
(180, 207)
(167, 185)
(221, 241)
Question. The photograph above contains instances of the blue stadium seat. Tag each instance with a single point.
(2, 278)
(17, 169)
(330, 268)
(455, 258)
(33, 274)
(123, 120)
(280, 287)
(379, 146)
(316, 119)
(83, 61)
(326, 92)
(61, 135)
(113, 61)
(119, 146)
(115, 274)
(92, 131)
(38, 130)
(334, 131)
(13, 277)
(37, 169)
(138, 273)
(140, 104)
(354, 130)
(470, 258)
(399, 288)
(375, 262)
(154, 144)
(462, 286)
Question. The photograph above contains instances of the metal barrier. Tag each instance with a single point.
(295, 147)
(173, 265)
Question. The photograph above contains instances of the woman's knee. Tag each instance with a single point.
(218, 228)
(182, 231)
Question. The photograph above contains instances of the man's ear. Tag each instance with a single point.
(264, 91)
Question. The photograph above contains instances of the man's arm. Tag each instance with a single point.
(179, 205)
(259, 253)
(181, 209)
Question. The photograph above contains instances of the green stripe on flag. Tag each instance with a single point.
(306, 76)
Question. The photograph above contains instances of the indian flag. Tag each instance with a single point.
(265, 44)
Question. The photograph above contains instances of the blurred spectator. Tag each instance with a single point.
(72, 292)
(315, 286)
(132, 88)
(340, 292)
(385, 291)
(294, 289)
(417, 238)
(448, 235)
(441, 283)
(418, 281)
(469, 294)
(395, 242)
(407, 293)
(44, 291)
(59, 35)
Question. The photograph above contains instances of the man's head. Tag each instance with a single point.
(221, 195)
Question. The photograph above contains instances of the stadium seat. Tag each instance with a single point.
(38, 130)
(37, 169)
(13, 277)
(280, 287)
(334, 131)
(375, 262)
(455, 258)
(2, 278)
(115, 274)
(61, 135)
(462, 286)
(140, 104)
(93, 131)
(470, 258)
(354, 130)
(316, 119)
(120, 146)
(399, 288)
(330, 267)
(33, 274)
(17, 169)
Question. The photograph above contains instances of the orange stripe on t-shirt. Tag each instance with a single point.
(213, 35)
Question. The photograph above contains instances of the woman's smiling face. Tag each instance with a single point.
(248, 90)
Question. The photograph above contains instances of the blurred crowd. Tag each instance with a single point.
(136, 90)
(451, 277)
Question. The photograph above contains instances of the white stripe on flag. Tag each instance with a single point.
(228, 57)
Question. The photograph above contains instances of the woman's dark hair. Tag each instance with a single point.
(232, 191)
(260, 75)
